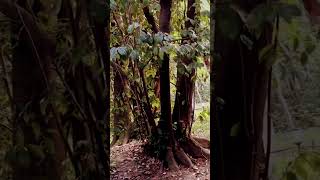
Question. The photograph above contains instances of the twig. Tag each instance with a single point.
(7, 127)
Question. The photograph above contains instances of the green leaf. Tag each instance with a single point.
(158, 38)
(168, 37)
(122, 50)
(235, 130)
(161, 52)
(301, 170)
(113, 5)
(133, 27)
(114, 54)
(134, 55)
(144, 36)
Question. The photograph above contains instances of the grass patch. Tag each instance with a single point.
(201, 126)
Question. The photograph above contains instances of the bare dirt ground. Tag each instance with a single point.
(128, 162)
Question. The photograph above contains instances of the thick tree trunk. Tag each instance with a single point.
(101, 84)
(184, 102)
(31, 77)
(165, 123)
(183, 107)
(240, 95)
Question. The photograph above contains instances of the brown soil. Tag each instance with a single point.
(130, 162)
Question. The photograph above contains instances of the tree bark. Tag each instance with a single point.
(240, 95)
(165, 123)
(184, 102)
(121, 118)
(31, 75)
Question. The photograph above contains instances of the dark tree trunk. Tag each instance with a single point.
(184, 102)
(101, 84)
(239, 98)
(165, 123)
(32, 56)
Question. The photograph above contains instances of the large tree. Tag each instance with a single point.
(240, 95)
(32, 84)
(60, 85)
(244, 50)
(178, 141)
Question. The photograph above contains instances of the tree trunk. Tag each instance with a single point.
(240, 95)
(184, 102)
(165, 122)
(31, 75)
(121, 117)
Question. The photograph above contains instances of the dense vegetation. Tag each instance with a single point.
(78, 77)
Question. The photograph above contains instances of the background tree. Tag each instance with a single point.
(244, 47)
(60, 88)
(148, 42)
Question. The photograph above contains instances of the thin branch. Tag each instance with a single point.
(7, 127)
(150, 18)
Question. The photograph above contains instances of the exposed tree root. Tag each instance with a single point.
(194, 149)
(205, 143)
(171, 162)
(120, 140)
(183, 158)
(180, 154)
(114, 141)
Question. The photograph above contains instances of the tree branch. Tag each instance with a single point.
(150, 19)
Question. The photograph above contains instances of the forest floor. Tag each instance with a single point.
(131, 163)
